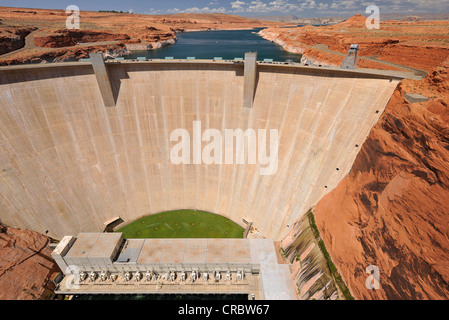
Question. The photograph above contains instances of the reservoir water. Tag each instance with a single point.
(225, 44)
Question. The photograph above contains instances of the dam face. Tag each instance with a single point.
(68, 163)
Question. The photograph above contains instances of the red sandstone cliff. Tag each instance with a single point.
(64, 54)
(25, 265)
(420, 45)
(13, 38)
(392, 210)
(66, 38)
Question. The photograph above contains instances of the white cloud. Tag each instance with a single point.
(334, 6)
(174, 11)
(312, 7)
(153, 11)
(259, 6)
(323, 6)
(308, 4)
(198, 10)
(238, 6)
(237, 3)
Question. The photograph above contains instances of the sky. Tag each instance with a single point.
(300, 8)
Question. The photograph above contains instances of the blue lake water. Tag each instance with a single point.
(225, 44)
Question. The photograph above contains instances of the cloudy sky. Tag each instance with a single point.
(301, 8)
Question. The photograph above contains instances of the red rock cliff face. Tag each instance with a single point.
(66, 54)
(67, 38)
(13, 39)
(25, 265)
(392, 210)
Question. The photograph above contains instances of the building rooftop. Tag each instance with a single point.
(152, 251)
(83, 245)
(105, 245)
(131, 251)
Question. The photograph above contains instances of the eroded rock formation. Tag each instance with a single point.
(13, 38)
(65, 54)
(26, 265)
(66, 38)
(419, 45)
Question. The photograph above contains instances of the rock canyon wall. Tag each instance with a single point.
(391, 210)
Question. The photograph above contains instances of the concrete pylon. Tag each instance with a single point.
(103, 79)
(249, 84)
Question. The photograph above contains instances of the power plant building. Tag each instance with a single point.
(208, 265)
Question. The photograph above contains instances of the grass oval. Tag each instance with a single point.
(182, 224)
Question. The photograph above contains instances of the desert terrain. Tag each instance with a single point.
(397, 45)
(39, 35)
(25, 255)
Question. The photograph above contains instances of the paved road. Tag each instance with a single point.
(418, 72)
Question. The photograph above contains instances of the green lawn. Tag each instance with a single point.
(183, 224)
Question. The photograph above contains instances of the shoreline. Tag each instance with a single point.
(256, 31)
(274, 37)
(127, 32)
(173, 41)
(121, 49)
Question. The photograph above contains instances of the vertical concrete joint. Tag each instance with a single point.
(103, 79)
(250, 74)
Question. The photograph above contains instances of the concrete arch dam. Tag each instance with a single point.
(69, 162)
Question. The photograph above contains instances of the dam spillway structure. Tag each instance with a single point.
(71, 160)
(106, 263)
